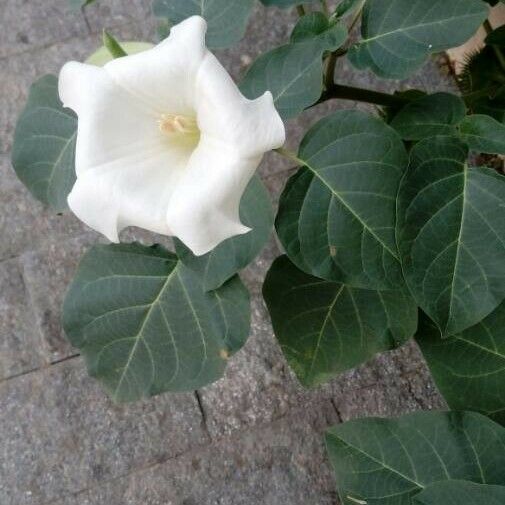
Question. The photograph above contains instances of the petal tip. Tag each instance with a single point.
(194, 26)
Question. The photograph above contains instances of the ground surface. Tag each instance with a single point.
(254, 437)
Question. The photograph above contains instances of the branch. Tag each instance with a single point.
(362, 95)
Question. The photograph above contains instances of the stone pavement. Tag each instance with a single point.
(254, 437)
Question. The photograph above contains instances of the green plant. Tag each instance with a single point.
(385, 218)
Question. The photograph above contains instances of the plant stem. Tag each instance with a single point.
(326, 9)
(301, 10)
(488, 27)
(289, 155)
(330, 70)
(362, 95)
(356, 17)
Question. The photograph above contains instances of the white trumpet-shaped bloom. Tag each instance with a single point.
(166, 141)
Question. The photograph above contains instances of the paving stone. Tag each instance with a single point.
(25, 223)
(113, 13)
(20, 338)
(281, 463)
(258, 386)
(393, 399)
(19, 72)
(60, 434)
(29, 24)
(48, 272)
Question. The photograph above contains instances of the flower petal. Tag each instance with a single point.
(204, 209)
(131, 191)
(126, 167)
(252, 126)
(109, 120)
(164, 77)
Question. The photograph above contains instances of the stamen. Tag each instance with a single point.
(172, 123)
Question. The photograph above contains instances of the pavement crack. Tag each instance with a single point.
(336, 409)
(203, 413)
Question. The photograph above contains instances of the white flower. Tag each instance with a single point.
(166, 141)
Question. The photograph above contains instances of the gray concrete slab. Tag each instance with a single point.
(60, 434)
(282, 463)
(29, 24)
(47, 272)
(25, 223)
(20, 342)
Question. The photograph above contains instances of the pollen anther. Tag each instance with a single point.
(172, 123)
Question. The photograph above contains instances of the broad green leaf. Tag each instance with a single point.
(347, 7)
(145, 325)
(325, 328)
(226, 19)
(337, 213)
(315, 26)
(398, 35)
(469, 368)
(388, 461)
(43, 155)
(483, 134)
(430, 115)
(284, 3)
(293, 73)
(451, 234)
(460, 492)
(102, 56)
(217, 266)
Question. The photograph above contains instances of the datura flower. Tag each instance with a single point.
(166, 141)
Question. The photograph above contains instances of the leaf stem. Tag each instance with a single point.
(289, 155)
(301, 10)
(488, 26)
(330, 70)
(356, 17)
(362, 95)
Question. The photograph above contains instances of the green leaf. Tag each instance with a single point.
(398, 35)
(145, 325)
(460, 492)
(388, 461)
(284, 3)
(226, 19)
(217, 266)
(430, 115)
(293, 73)
(347, 7)
(469, 368)
(451, 234)
(483, 134)
(113, 46)
(43, 155)
(337, 214)
(325, 328)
